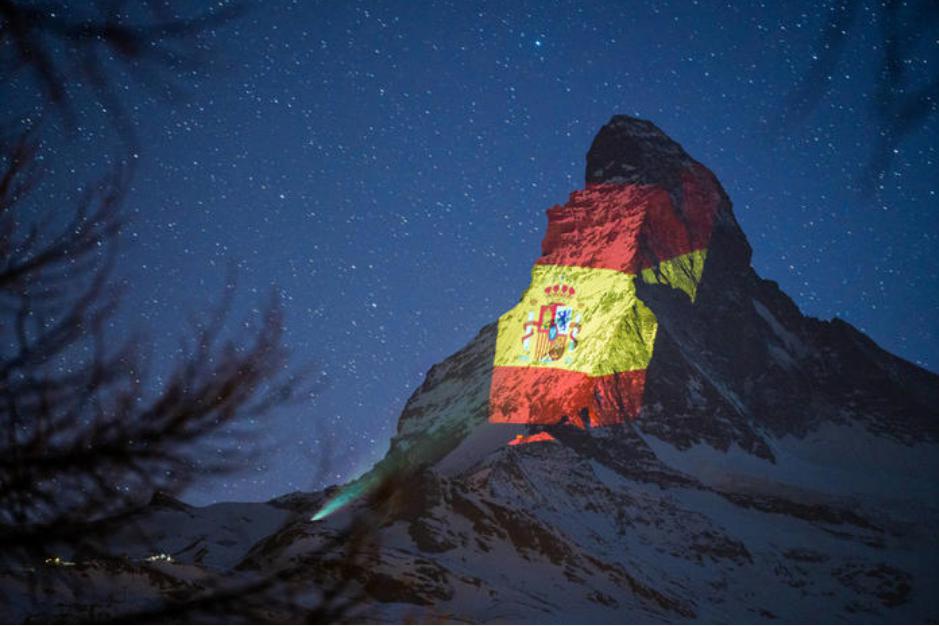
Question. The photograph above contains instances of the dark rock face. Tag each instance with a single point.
(781, 468)
(759, 368)
(630, 150)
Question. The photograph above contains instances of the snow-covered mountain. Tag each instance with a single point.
(766, 467)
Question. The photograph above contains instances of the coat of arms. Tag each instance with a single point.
(549, 337)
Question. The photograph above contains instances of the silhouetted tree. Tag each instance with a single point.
(86, 434)
(89, 431)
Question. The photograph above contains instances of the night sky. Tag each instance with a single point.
(387, 166)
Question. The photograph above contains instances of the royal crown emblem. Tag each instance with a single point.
(554, 334)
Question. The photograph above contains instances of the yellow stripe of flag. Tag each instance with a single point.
(602, 329)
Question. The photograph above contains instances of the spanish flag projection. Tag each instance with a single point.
(576, 347)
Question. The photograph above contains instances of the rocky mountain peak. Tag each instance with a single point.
(629, 150)
(645, 275)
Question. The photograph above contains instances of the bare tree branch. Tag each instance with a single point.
(89, 431)
(64, 51)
